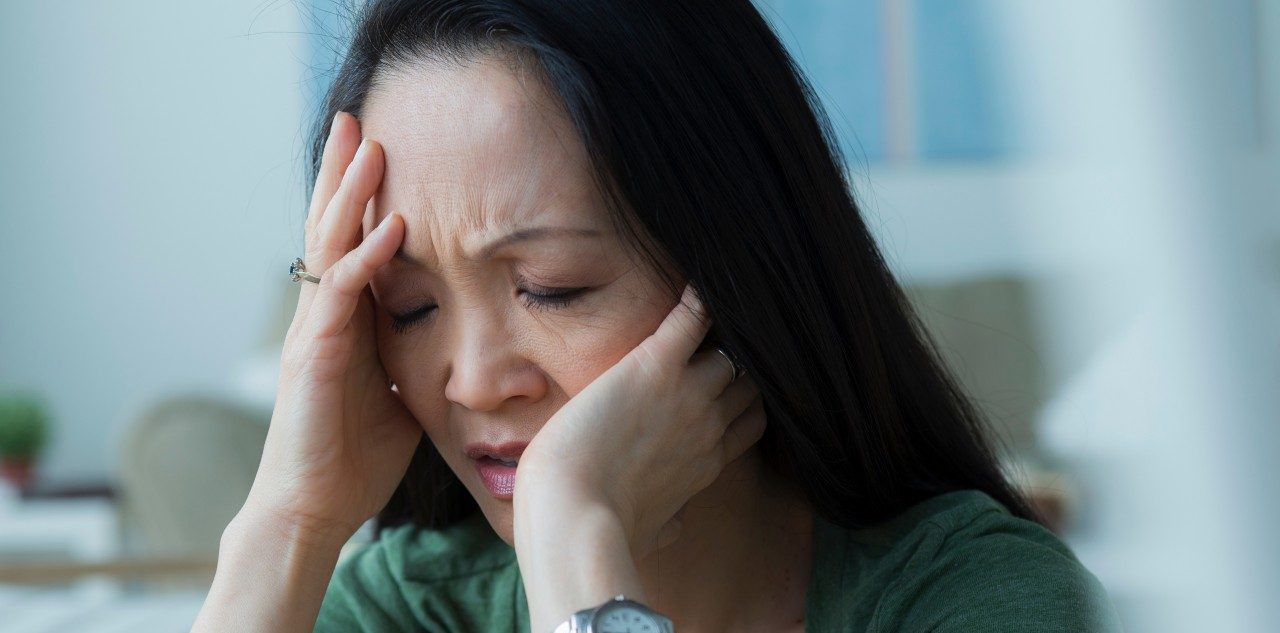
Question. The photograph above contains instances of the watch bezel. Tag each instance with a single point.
(620, 601)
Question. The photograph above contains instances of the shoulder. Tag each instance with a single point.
(412, 578)
(962, 562)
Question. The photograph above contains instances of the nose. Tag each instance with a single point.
(486, 369)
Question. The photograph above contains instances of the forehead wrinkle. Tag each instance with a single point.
(481, 153)
(520, 174)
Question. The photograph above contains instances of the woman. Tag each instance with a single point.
(569, 230)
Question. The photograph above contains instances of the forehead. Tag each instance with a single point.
(473, 150)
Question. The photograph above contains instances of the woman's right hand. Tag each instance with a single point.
(340, 438)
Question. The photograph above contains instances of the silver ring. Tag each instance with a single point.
(298, 272)
(737, 371)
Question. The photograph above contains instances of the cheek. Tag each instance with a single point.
(593, 348)
(402, 356)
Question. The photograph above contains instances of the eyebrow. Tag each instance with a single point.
(521, 235)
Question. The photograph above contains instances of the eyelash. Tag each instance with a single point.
(559, 298)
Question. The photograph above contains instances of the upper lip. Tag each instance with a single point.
(506, 451)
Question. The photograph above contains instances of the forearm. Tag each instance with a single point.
(571, 558)
(270, 577)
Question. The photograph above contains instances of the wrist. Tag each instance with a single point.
(553, 501)
(271, 575)
(301, 532)
(289, 547)
(572, 557)
(582, 523)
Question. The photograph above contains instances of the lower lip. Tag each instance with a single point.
(499, 478)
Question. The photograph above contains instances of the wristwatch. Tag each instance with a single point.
(618, 614)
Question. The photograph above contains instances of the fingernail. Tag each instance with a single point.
(383, 223)
(333, 125)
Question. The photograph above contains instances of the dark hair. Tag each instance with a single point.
(700, 127)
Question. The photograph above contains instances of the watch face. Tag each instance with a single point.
(624, 618)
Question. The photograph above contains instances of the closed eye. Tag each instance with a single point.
(401, 322)
(556, 298)
(548, 299)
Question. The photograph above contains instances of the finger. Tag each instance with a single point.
(344, 282)
(735, 399)
(337, 233)
(743, 432)
(680, 333)
(712, 370)
(339, 149)
(339, 230)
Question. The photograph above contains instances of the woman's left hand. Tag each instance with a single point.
(646, 435)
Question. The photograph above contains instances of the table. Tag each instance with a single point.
(88, 609)
(40, 529)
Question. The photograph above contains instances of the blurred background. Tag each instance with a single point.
(1082, 198)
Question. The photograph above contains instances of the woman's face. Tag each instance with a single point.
(473, 155)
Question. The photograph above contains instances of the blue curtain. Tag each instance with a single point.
(839, 44)
(957, 100)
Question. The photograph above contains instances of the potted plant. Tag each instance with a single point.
(23, 432)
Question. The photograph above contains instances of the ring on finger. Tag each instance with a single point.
(733, 364)
(298, 272)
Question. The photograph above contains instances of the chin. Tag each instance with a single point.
(501, 516)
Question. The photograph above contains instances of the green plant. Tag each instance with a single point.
(23, 426)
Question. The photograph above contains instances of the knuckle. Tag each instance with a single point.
(318, 232)
(316, 351)
(333, 275)
(709, 431)
(342, 196)
(346, 269)
(293, 359)
(316, 258)
(291, 334)
(649, 362)
(359, 263)
(334, 254)
(679, 333)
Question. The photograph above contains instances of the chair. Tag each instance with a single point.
(186, 467)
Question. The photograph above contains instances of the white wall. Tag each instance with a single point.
(1155, 214)
(1150, 220)
(151, 203)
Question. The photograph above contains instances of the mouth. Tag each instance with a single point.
(496, 465)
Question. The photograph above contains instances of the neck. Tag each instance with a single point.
(742, 560)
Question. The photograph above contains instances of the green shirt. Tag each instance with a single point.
(956, 562)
